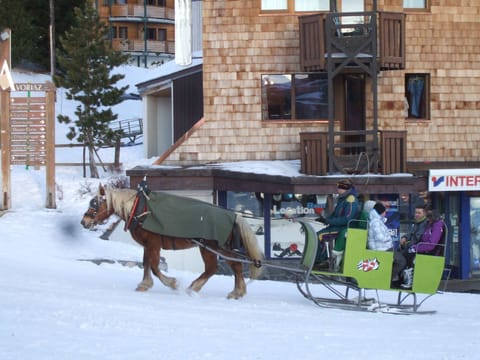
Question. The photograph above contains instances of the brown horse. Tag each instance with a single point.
(120, 202)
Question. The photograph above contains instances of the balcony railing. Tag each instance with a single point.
(152, 46)
(354, 35)
(314, 154)
(138, 11)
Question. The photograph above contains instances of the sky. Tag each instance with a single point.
(56, 304)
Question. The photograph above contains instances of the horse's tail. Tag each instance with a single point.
(249, 240)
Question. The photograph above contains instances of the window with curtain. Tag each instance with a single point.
(417, 96)
(298, 5)
(295, 96)
(274, 4)
(414, 4)
(310, 5)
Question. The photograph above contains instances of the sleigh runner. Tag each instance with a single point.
(365, 271)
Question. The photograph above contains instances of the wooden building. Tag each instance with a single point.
(145, 29)
(374, 87)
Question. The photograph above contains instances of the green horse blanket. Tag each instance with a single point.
(179, 216)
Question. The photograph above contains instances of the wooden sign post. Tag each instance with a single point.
(28, 135)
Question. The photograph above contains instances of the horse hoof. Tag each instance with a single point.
(142, 288)
(192, 293)
(234, 295)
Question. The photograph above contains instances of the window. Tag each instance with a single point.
(298, 5)
(123, 32)
(414, 4)
(295, 96)
(310, 5)
(417, 96)
(151, 34)
(162, 35)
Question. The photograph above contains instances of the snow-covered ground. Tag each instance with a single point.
(54, 306)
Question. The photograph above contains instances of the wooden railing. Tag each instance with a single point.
(357, 38)
(314, 154)
(394, 151)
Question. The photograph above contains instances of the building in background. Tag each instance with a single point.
(145, 29)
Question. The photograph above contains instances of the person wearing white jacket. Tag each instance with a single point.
(379, 237)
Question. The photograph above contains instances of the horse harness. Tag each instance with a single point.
(139, 211)
(139, 208)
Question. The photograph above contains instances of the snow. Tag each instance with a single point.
(53, 306)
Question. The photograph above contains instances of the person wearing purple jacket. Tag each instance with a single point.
(431, 236)
(428, 243)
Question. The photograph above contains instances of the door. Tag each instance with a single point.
(475, 235)
(354, 111)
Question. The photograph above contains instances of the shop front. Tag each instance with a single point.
(456, 193)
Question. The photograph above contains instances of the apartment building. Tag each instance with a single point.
(382, 91)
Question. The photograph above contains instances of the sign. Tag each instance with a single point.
(454, 180)
(6, 80)
(31, 87)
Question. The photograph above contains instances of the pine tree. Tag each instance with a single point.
(87, 62)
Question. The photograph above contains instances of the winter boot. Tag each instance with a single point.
(337, 257)
(407, 278)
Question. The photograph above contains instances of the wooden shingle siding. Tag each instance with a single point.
(240, 45)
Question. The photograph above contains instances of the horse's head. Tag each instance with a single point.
(97, 211)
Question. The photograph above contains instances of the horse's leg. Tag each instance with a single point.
(240, 288)
(147, 281)
(211, 263)
(168, 281)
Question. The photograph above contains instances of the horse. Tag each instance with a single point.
(120, 202)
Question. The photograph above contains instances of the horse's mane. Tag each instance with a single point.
(121, 201)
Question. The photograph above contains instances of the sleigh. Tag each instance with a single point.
(367, 272)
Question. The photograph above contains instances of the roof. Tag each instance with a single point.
(268, 177)
(171, 71)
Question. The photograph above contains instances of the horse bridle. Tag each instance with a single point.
(94, 204)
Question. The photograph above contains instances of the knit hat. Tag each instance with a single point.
(369, 204)
(379, 208)
(345, 184)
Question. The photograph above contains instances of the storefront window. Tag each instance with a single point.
(475, 235)
(286, 237)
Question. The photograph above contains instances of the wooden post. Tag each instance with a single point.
(116, 161)
(5, 46)
(5, 143)
(50, 140)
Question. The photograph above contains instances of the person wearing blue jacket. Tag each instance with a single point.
(347, 209)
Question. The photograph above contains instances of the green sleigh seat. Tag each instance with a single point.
(372, 269)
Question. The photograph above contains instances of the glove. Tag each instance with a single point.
(321, 219)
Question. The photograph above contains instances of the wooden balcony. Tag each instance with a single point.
(355, 38)
(152, 46)
(353, 157)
